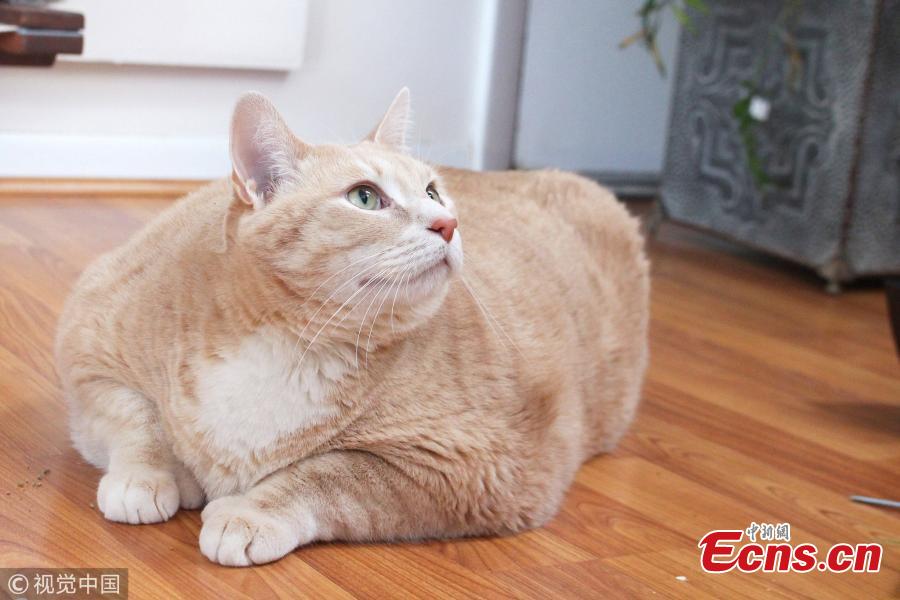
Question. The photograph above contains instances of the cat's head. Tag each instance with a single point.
(366, 227)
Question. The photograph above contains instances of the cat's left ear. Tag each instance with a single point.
(393, 130)
(264, 152)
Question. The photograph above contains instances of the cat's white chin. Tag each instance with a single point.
(429, 282)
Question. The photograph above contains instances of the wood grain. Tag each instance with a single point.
(767, 400)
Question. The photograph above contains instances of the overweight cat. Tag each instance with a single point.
(302, 349)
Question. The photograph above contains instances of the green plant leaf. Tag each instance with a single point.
(746, 124)
(698, 5)
(657, 57)
(741, 109)
(681, 16)
(647, 7)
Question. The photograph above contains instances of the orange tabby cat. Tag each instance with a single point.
(302, 347)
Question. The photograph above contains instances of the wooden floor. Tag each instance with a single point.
(767, 401)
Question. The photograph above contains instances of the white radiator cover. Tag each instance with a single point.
(262, 35)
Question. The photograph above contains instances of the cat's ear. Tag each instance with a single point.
(264, 152)
(394, 127)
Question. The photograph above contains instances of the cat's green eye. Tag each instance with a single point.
(365, 197)
(433, 194)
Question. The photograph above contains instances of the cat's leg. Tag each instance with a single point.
(345, 495)
(119, 430)
(190, 493)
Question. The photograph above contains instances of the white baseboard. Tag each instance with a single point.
(124, 157)
(32, 155)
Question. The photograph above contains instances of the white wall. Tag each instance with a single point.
(585, 104)
(94, 120)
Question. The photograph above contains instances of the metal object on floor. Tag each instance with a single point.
(876, 501)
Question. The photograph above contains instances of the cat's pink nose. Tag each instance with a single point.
(445, 227)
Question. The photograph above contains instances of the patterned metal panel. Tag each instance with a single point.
(808, 144)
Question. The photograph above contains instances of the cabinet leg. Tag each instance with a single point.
(834, 272)
(892, 286)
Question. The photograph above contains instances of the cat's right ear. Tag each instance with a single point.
(393, 130)
(264, 152)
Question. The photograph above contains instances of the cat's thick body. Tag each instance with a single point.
(186, 364)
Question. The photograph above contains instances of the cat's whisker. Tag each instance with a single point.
(322, 328)
(361, 300)
(375, 318)
(488, 315)
(396, 292)
(382, 263)
(369, 288)
(359, 304)
(412, 250)
(355, 262)
(333, 315)
(486, 318)
(406, 285)
(330, 296)
(362, 271)
(365, 316)
(336, 291)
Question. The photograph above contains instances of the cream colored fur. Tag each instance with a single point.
(317, 371)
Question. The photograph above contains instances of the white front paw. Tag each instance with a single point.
(236, 532)
(139, 495)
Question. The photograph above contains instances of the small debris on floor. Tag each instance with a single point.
(91, 504)
(21, 484)
(681, 578)
(36, 484)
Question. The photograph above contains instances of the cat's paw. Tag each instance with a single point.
(138, 496)
(236, 532)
